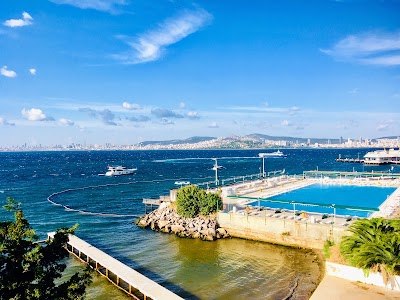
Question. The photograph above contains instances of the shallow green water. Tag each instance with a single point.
(225, 269)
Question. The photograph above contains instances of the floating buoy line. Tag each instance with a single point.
(68, 208)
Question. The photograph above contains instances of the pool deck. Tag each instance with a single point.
(390, 208)
(330, 287)
(333, 288)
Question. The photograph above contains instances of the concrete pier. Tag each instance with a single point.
(125, 278)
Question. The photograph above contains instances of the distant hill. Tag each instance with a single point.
(393, 137)
(191, 140)
(291, 139)
(258, 137)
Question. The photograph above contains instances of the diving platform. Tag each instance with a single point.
(133, 283)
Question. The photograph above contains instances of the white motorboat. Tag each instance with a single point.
(181, 183)
(272, 154)
(119, 170)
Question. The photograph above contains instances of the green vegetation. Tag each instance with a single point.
(328, 244)
(29, 270)
(374, 245)
(192, 201)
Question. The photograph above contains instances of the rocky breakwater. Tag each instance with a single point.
(166, 219)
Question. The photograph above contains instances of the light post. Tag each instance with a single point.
(216, 168)
(294, 210)
(334, 213)
(262, 155)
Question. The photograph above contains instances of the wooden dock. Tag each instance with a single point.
(125, 278)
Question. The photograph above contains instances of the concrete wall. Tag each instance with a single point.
(280, 231)
(355, 274)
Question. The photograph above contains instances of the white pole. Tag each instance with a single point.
(334, 214)
(263, 166)
(294, 210)
(216, 171)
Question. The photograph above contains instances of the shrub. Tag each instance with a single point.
(328, 244)
(191, 200)
(210, 204)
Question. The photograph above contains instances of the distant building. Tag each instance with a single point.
(341, 140)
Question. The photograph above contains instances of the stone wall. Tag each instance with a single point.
(280, 231)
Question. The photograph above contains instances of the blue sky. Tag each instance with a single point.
(125, 71)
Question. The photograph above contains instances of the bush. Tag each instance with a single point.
(210, 203)
(191, 200)
(328, 244)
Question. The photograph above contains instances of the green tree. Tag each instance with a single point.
(188, 200)
(210, 203)
(192, 200)
(374, 245)
(28, 270)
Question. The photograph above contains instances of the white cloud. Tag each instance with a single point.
(66, 122)
(165, 121)
(385, 125)
(32, 71)
(150, 45)
(213, 125)
(286, 123)
(368, 48)
(105, 115)
(34, 114)
(131, 106)
(102, 5)
(25, 21)
(388, 60)
(348, 124)
(182, 105)
(8, 73)
(293, 110)
(165, 113)
(193, 115)
(354, 91)
(265, 109)
(4, 122)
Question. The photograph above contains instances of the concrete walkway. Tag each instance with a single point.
(335, 288)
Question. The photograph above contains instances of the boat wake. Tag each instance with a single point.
(206, 158)
(104, 214)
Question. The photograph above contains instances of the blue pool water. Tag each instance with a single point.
(346, 195)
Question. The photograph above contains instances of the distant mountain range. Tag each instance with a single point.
(191, 140)
(292, 139)
(254, 136)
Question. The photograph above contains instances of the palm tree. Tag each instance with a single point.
(374, 245)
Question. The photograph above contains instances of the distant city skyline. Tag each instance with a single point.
(124, 71)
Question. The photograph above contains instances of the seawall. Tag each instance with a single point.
(280, 231)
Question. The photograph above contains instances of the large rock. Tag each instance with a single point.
(209, 237)
(165, 219)
(211, 231)
(177, 228)
(163, 223)
(222, 231)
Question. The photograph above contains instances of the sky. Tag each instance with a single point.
(126, 71)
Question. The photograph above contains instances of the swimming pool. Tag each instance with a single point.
(327, 194)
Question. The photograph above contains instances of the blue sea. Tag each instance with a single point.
(225, 269)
